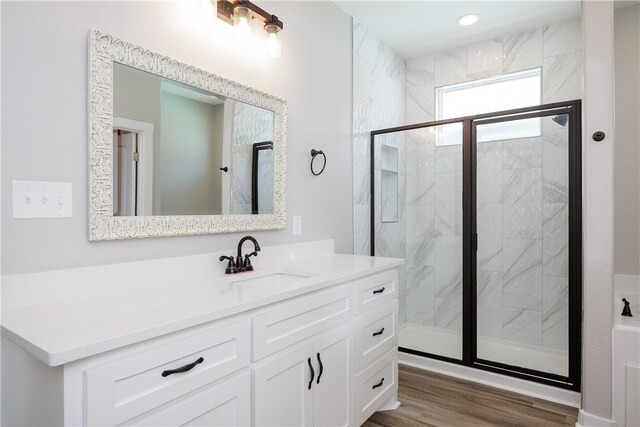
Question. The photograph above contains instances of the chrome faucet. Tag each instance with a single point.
(240, 265)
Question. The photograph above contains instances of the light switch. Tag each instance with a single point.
(297, 225)
(36, 199)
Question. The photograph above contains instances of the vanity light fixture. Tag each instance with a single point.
(468, 19)
(274, 44)
(240, 13)
(242, 22)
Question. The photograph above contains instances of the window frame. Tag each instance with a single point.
(500, 78)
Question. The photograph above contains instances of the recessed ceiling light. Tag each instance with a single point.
(468, 19)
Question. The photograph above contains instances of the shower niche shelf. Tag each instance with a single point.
(389, 184)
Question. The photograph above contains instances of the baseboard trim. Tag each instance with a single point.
(589, 420)
(516, 385)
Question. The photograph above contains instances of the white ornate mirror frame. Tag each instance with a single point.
(103, 51)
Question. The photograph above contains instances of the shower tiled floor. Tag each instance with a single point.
(431, 399)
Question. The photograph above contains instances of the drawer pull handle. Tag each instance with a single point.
(375, 386)
(321, 369)
(379, 291)
(184, 368)
(313, 374)
(375, 334)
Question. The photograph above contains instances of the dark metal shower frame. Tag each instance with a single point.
(469, 239)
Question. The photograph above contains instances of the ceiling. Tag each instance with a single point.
(416, 28)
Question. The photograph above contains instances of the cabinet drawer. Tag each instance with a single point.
(224, 403)
(288, 323)
(376, 289)
(376, 333)
(122, 389)
(375, 385)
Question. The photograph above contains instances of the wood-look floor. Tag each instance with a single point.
(431, 399)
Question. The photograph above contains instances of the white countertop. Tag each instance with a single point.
(61, 331)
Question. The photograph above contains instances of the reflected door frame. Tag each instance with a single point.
(124, 173)
(145, 161)
(227, 156)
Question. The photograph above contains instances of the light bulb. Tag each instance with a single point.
(273, 43)
(242, 22)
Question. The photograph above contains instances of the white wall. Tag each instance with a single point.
(597, 213)
(44, 105)
(627, 150)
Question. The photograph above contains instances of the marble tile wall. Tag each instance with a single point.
(379, 92)
(379, 102)
(522, 196)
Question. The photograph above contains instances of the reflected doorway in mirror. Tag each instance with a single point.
(132, 167)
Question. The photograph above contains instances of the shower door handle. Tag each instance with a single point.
(475, 242)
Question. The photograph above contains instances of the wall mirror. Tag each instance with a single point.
(175, 150)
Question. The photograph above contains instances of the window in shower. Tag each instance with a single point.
(499, 93)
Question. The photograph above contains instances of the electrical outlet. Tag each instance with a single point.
(297, 225)
(35, 199)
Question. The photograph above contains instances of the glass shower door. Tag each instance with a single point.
(486, 212)
(418, 216)
(522, 225)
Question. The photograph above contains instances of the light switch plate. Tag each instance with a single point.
(36, 199)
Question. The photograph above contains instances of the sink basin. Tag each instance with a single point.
(272, 279)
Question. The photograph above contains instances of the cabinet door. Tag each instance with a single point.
(281, 388)
(334, 393)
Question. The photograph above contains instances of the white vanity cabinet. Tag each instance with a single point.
(324, 357)
(377, 341)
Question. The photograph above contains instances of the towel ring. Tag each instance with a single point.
(314, 153)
